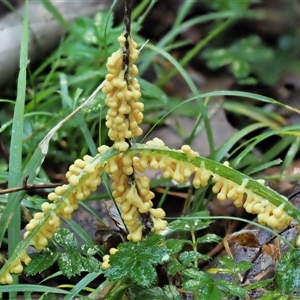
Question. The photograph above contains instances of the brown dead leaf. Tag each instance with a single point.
(245, 238)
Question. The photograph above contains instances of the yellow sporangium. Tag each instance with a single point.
(123, 91)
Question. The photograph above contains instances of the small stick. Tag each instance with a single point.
(27, 186)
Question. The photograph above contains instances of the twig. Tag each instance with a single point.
(27, 186)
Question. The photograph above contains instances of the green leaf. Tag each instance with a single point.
(30, 288)
(137, 259)
(66, 239)
(89, 250)
(188, 225)
(171, 292)
(229, 263)
(211, 291)
(232, 288)
(197, 274)
(154, 254)
(121, 265)
(41, 261)
(274, 295)
(258, 285)
(175, 246)
(243, 57)
(91, 264)
(151, 240)
(153, 293)
(168, 292)
(209, 238)
(188, 257)
(288, 276)
(174, 267)
(143, 274)
(192, 284)
(70, 263)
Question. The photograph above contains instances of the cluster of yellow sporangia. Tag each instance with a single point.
(132, 192)
(123, 91)
(83, 186)
(135, 197)
(268, 214)
(16, 267)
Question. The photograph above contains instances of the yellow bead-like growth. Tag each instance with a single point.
(123, 91)
(15, 268)
(83, 176)
(268, 214)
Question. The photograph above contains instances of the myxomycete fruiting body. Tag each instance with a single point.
(130, 188)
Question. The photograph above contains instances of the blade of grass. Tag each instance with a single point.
(138, 9)
(194, 90)
(56, 14)
(32, 167)
(85, 281)
(15, 155)
(290, 156)
(289, 130)
(79, 118)
(166, 40)
(195, 50)
(224, 149)
(262, 167)
(31, 288)
(144, 15)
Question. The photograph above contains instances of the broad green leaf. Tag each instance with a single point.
(154, 254)
(91, 264)
(230, 263)
(174, 267)
(174, 246)
(243, 57)
(197, 274)
(66, 239)
(89, 249)
(70, 263)
(171, 292)
(209, 238)
(288, 276)
(151, 240)
(121, 265)
(188, 257)
(41, 261)
(193, 284)
(152, 293)
(211, 291)
(188, 225)
(143, 274)
(232, 288)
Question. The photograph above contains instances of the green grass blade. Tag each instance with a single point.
(30, 288)
(291, 154)
(33, 166)
(15, 155)
(222, 151)
(79, 118)
(85, 281)
(56, 14)
(195, 50)
(194, 89)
